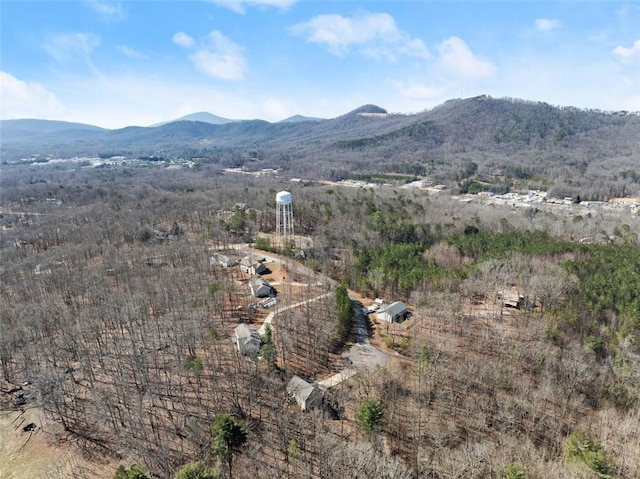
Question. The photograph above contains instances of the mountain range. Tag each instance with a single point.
(30, 127)
(493, 137)
(202, 116)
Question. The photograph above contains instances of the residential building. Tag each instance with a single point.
(307, 395)
(393, 313)
(247, 339)
(260, 288)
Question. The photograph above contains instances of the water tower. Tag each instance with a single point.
(284, 219)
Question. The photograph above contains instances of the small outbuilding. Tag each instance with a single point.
(307, 395)
(251, 266)
(393, 313)
(162, 234)
(260, 288)
(510, 298)
(247, 339)
(222, 260)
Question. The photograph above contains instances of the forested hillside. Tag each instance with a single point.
(496, 144)
(519, 357)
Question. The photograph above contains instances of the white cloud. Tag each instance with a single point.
(118, 100)
(594, 84)
(276, 108)
(22, 99)
(633, 103)
(456, 57)
(240, 6)
(220, 58)
(419, 91)
(598, 37)
(183, 40)
(109, 10)
(131, 53)
(546, 24)
(628, 54)
(376, 33)
(624, 11)
(69, 47)
(338, 33)
(414, 48)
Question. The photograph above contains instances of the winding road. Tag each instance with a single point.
(362, 356)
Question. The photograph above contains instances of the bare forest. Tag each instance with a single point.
(469, 145)
(519, 357)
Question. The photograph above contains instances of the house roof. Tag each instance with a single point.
(222, 259)
(243, 331)
(300, 389)
(393, 309)
(257, 282)
(248, 339)
(260, 288)
(249, 261)
(256, 267)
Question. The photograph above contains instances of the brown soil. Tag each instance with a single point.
(44, 452)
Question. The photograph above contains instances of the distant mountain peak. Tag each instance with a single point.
(299, 118)
(47, 126)
(202, 116)
(366, 110)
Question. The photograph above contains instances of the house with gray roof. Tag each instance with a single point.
(247, 340)
(251, 266)
(222, 260)
(393, 313)
(260, 288)
(308, 396)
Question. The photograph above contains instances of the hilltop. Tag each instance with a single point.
(202, 116)
(495, 143)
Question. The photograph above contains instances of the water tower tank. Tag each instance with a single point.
(284, 219)
(283, 198)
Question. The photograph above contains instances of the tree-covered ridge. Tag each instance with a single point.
(512, 143)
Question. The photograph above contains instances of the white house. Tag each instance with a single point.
(260, 288)
(247, 340)
(308, 396)
(251, 266)
(392, 313)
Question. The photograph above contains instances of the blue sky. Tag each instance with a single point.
(141, 62)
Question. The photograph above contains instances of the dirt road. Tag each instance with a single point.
(362, 356)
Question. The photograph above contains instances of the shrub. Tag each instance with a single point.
(193, 364)
(264, 245)
(512, 471)
(551, 332)
(136, 472)
(197, 470)
(588, 454)
(594, 344)
(369, 415)
(293, 449)
(144, 235)
(389, 341)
